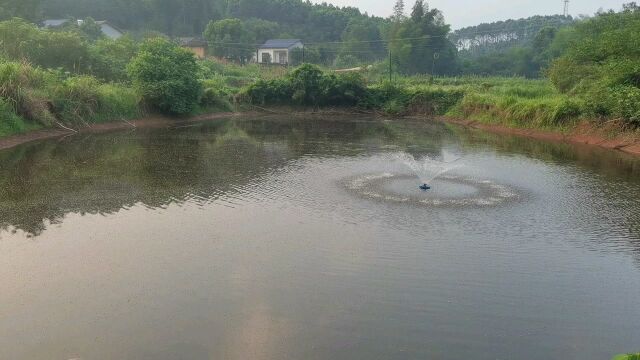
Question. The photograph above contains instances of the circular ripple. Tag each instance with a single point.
(446, 191)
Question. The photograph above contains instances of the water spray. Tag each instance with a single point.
(426, 169)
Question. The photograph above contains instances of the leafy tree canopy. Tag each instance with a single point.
(166, 76)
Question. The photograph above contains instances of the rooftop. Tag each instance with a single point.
(54, 22)
(191, 42)
(279, 43)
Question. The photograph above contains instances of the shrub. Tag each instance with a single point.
(76, 99)
(165, 75)
(307, 84)
(343, 89)
(213, 98)
(625, 103)
(109, 58)
(264, 92)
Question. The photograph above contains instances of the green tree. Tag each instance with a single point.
(165, 75)
(109, 58)
(25, 9)
(228, 38)
(90, 29)
(362, 40)
(541, 46)
(259, 30)
(398, 11)
(419, 44)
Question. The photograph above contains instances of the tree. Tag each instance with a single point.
(259, 30)
(25, 9)
(165, 75)
(91, 30)
(362, 40)
(420, 44)
(541, 46)
(228, 38)
(398, 10)
(109, 58)
(418, 10)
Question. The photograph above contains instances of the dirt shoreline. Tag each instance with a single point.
(146, 122)
(582, 134)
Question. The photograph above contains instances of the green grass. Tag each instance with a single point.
(627, 357)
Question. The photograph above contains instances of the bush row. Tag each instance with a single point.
(309, 86)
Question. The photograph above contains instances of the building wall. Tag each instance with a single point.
(275, 54)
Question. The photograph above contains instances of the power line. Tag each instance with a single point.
(317, 45)
(425, 37)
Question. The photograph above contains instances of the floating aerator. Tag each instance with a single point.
(425, 187)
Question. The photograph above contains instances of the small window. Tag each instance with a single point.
(266, 58)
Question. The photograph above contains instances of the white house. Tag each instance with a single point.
(109, 30)
(277, 51)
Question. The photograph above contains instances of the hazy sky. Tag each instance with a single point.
(461, 13)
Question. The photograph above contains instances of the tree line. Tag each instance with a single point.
(415, 41)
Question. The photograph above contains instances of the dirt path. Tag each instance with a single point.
(582, 134)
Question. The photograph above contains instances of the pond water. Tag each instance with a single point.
(272, 238)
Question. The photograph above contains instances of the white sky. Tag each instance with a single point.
(461, 13)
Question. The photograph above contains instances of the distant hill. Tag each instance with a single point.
(474, 41)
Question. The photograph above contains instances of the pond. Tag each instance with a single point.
(276, 238)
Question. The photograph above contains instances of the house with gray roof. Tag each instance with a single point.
(277, 51)
(109, 30)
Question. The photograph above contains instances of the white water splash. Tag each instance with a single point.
(427, 169)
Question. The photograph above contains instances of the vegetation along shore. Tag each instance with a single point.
(583, 82)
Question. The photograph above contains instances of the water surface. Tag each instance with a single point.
(242, 239)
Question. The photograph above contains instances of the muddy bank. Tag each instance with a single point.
(147, 122)
(584, 133)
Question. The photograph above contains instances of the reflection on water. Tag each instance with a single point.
(238, 239)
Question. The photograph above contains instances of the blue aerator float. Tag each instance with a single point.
(424, 187)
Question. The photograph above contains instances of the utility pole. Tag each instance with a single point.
(303, 53)
(566, 8)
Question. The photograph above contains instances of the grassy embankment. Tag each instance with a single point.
(35, 98)
(511, 102)
(66, 79)
(32, 98)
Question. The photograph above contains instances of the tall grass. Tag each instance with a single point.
(31, 98)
